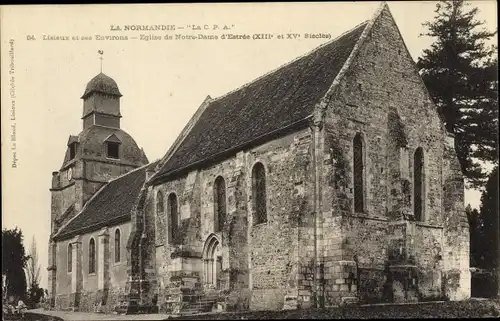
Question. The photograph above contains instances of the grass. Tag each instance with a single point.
(463, 309)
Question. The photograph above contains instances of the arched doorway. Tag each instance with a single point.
(212, 262)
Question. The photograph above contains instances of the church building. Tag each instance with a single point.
(330, 180)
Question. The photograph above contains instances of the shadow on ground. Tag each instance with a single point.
(463, 309)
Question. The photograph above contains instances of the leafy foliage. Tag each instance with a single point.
(490, 221)
(460, 72)
(484, 234)
(14, 261)
(476, 236)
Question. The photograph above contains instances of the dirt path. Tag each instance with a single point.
(67, 316)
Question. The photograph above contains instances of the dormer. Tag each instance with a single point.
(72, 146)
(112, 145)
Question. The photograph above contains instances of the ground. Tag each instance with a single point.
(464, 309)
(479, 308)
(67, 316)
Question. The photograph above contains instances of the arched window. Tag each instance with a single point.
(117, 245)
(173, 215)
(220, 203)
(418, 184)
(358, 172)
(159, 203)
(70, 257)
(92, 256)
(259, 193)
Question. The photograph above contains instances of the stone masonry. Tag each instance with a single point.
(359, 198)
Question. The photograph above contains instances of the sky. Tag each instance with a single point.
(163, 82)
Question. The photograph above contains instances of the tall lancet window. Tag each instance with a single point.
(219, 204)
(259, 193)
(92, 254)
(70, 258)
(117, 245)
(173, 217)
(418, 184)
(359, 174)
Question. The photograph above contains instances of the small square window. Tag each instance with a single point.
(113, 150)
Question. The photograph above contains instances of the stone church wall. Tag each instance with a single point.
(90, 292)
(274, 246)
(382, 81)
(63, 284)
(103, 171)
(260, 262)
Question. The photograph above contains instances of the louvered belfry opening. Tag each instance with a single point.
(220, 203)
(259, 193)
(418, 184)
(359, 204)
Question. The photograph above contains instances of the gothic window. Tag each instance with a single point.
(418, 184)
(212, 263)
(173, 215)
(117, 245)
(92, 255)
(220, 203)
(70, 258)
(259, 193)
(113, 150)
(358, 171)
(159, 203)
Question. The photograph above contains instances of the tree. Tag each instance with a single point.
(33, 273)
(460, 72)
(33, 269)
(476, 236)
(490, 214)
(13, 262)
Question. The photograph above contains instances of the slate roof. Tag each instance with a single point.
(70, 211)
(91, 146)
(274, 101)
(103, 84)
(112, 204)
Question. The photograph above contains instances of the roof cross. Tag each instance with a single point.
(100, 52)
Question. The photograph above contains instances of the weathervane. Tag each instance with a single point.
(100, 52)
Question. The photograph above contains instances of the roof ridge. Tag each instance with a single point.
(326, 59)
(291, 61)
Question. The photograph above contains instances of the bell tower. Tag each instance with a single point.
(101, 103)
(100, 152)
